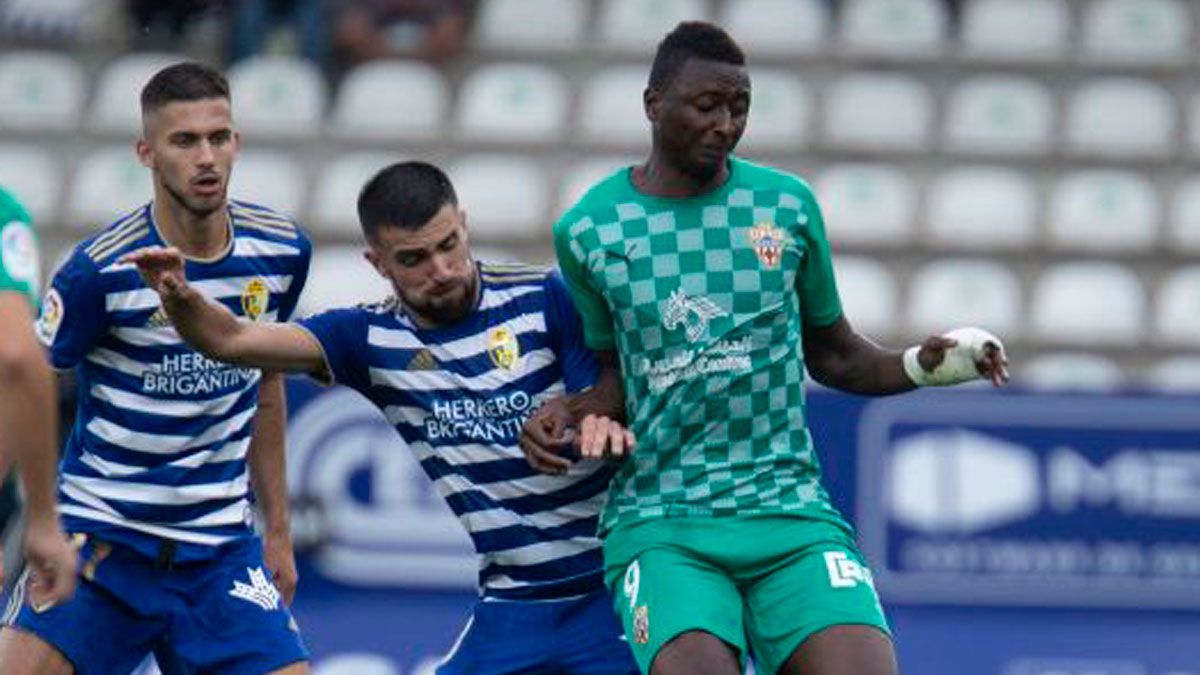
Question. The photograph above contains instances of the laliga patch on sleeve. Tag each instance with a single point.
(18, 252)
(51, 317)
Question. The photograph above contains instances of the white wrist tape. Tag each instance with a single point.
(959, 364)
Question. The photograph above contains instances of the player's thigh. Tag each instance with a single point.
(23, 653)
(294, 669)
(844, 650)
(816, 588)
(663, 593)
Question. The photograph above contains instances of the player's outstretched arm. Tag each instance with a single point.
(841, 358)
(214, 330)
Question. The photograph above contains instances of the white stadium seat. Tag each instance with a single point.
(1001, 115)
(513, 102)
(1016, 30)
(1136, 31)
(779, 27)
(893, 28)
(335, 202)
(979, 208)
(866, 204)
(506, 198)
(1121, 118)
(780, 114)
(581, 177)
(116, 107)
(1088, 303)
(1193, 114)
(1185, 215)
(636, 26)
(524, 25)
(1104, 211)
(40, 90)
(340, 277)
(108, 182)
(1177, 311)
(390, 99)
(271, 179)
(947, 294)
(276, 96)
(610, 108)
(1177, 374)
(36, 179)
(869, 294)
(878, 112)
(1071, 371)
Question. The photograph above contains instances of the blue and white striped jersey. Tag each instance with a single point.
(458, 396)
(158, 450)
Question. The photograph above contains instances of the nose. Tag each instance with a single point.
(205, 155)
(441, 268)
(723, 124)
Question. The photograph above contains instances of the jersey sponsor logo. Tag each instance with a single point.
(726, 356)
(254, 298)
(191, 374)
(768, 243)
(691, 313)
(259, 591)
(18, 252)
(844, 572)
(503, 348)
(422, 360)
(641, 624)
(497, 419)
(51, 317)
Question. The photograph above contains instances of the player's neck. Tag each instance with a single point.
(658, 178)
(199, 237)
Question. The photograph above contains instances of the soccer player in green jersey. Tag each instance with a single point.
(708, 280)
(28, 410)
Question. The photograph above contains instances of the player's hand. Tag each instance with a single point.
(161, 267)
(547, 432)
(280, 561)
(53, 564)
(993, 364)
(602, 438)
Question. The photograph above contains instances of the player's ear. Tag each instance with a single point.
(376, 261)
(142, 148)
(652, 103)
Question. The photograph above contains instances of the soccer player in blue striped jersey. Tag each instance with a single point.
(158, 470)
(457, 360)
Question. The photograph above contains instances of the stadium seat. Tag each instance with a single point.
(531, 25)
(278, 96)
(513, 102)
(780, 28)
(1193, 114)
(1177, 374)
(878, 112)
(581, 177)
(979, 208)
(116, 104)
(108, 182)
(1136, 31)
(1071, 371)
(1000, 115)
(507, 198)
(272, 179)
(610, 108)
(390, 99)
(1104, 211)
(1177, 311)
(636, 26)
(1121, 118)
(1016, 30)
(947, 294)
(866, 204)
(1185, 216)
(40, 90)
(334, 208)
(340, 277)
(780, 115)
(35, 177)
(869, 294)
(893, 28)
(1088, 303)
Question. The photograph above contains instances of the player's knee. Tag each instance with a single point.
(844, 650)
(696, 652)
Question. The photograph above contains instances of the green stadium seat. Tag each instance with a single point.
(869, 294)
(946, 294)
(1104, 211)
(982, 209)
(40, 91)
(531, 25)
(388, 100)
(636, 26)
(1177, 310)
(1121, 118)
(778, 28)
(278, 97)
(1088, 304)
(1016, 30)
(878, 112)
(115, 108)
(513, 102)
(35, 177)
(1000, 115)
(270, 178)
(867, 204)
(1137, 31)
(108, 182)
(782, 113)
(893, 28)
(507, 198)
(334, 210)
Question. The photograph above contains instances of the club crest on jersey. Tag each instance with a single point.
(503, 348)
(254, 298)
(768, 243)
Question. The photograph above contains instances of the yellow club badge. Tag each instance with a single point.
(503, 348)
(768, 243)
(254, 298)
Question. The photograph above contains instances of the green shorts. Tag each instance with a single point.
(763, 582)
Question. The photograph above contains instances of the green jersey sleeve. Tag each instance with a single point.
(815, 283)
(19, 263)
(571, 234)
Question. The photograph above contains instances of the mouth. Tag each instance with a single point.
(206, 185)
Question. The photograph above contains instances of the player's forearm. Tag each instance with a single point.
(267, 454)
(207, 326)
(606, 397)
(29, 414)
(840, 358)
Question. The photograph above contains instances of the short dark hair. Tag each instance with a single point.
(405, 194)
(187, 81)
(692, 39)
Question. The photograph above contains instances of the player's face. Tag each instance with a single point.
(430, 267)
(190, 146)
(699, 117)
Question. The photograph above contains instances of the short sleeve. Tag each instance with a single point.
(566, 336)
(815, 283)
(342, 334)
(20, 268)
(287, 304)
(590, 304)
(73, 316)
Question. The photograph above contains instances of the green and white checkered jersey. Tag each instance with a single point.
(705, 298)
(19, 264)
